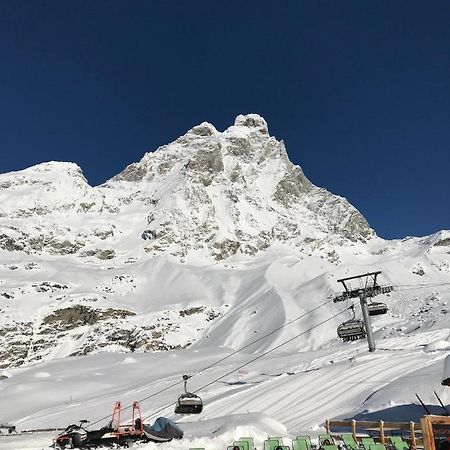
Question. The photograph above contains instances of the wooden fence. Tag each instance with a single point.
(358, 427)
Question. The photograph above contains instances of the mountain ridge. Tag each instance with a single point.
(236, 189)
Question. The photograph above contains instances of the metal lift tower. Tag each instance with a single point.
(370, 289)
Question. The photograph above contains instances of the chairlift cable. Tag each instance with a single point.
(434, 287)
(413, 286)
(421, 285)
(222, 359)
(263, 337)
(256, 358)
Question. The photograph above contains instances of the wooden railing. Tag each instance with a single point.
(359, 426)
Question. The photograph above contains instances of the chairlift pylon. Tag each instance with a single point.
(188, 403)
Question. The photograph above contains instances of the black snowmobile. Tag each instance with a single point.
(117, 434)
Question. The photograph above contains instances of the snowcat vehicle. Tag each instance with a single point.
(117, 433)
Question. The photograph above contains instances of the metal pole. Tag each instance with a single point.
(367, 325)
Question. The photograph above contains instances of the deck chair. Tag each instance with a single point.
(244, 445)
(349, 441)
(377, 447)
(326, 439)
(271, 443)
(236, 444)
(305, 438)
(251, 444)
(330, 447)
(399, 443)
(300, 444)
(367, 442)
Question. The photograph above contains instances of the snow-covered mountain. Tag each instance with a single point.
(200, 248)
(204, 197)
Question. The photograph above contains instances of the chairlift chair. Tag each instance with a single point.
(352, 329)
(188, 403)
(377, 308)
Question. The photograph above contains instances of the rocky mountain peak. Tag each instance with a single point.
(46, 188)
(252, 121)
(46, 172)
(204, 129)
(204, 149)
(217, 194)
(207, 195)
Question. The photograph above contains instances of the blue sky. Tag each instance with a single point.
(358, 90)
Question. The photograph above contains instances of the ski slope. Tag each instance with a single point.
(257, 391)
(284, 395)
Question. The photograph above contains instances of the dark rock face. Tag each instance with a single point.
(14, 239)
(204, 129)
(443, 243)
(292, 186)
(240, 147)
(252, 121)
(80, 315)
(357, 227)
(10, 244)
(205, 165)
(16, 339)
(69, 318)
(132, 173)
(100, 254)
(225, 249)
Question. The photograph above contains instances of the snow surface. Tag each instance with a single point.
(289, 391)
(293, 373)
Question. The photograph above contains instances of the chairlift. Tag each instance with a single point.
(188, 403)
(352, 329)
(377, 308)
